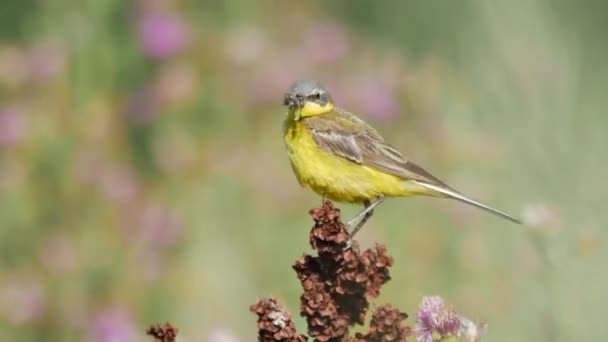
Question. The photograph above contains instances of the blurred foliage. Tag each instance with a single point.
(143, 177)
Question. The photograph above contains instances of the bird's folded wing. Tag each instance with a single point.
(347, 136)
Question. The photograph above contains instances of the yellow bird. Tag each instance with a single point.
(342, 158)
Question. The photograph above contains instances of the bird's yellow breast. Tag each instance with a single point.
(332, 176)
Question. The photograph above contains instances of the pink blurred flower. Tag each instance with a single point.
(376, 98)
(87, 165)
(118, 183)
(113, 325)
(13, 66)
(22, 301)
(158, 226)
(143, 106)
(162, 35)
(13, 127)
(326, 43)
(58, 254)
(46, 59)
(176, 83)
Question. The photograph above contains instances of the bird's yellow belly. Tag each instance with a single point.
(335, 177)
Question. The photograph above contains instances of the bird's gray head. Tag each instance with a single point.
(303, 91)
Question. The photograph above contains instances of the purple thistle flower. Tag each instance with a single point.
(13, 127)
(435, 319)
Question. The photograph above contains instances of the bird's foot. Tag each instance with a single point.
(349, 245)
(356, 223)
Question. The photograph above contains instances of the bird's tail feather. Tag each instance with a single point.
(451, 193)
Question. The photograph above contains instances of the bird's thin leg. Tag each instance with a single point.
(323, 200)
(357, 222)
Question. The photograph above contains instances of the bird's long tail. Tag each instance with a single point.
(451, 193)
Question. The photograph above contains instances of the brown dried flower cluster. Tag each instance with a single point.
(164, 333)
(386, 325)
(274, 322)
(337, 284)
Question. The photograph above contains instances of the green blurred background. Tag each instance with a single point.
(143, 177)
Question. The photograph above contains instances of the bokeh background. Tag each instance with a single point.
(143, 177)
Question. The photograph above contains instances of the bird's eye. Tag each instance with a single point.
(316, 96)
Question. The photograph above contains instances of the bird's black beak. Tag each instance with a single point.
(293, 101)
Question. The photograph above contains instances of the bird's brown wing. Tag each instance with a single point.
(343, 134)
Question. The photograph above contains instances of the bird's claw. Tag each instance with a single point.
(349, 245)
